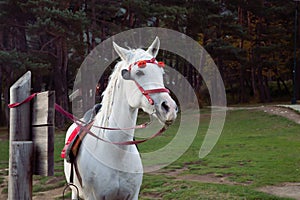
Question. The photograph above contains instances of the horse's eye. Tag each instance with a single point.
(139, 73)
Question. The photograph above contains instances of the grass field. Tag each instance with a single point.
(255, 149)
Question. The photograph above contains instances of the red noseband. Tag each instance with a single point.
(147, 92)
(142, 64)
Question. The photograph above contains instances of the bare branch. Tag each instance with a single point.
(49, 42)
(44, 52)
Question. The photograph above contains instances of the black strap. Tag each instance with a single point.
(77, 173)
(73, 165)
(71, 182)
(72, 173)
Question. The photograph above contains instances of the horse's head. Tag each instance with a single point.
(144, 82)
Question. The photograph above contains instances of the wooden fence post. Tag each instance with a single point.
(31, 149)
(20, 180)
(19, 130)
(43, 113)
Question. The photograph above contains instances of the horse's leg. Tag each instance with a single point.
(74, 195)
(136, 196)
(67, 170)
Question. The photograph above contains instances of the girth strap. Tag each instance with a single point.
(72, 152)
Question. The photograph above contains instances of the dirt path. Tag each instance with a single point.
(205, 178)
(286, 190)
(51, 194)
(286, 112)
(291, 190)
(282, 111)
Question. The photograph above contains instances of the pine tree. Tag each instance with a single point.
(13, 45)
(49, 33)
(58, 36)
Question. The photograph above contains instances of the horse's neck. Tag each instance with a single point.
(121, 116)
(123, 158)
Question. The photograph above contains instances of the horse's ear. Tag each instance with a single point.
(123, 53)
(154, 48)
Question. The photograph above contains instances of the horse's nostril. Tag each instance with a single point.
(165, 107)
(169, 122)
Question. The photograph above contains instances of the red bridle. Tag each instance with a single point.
(146, 93)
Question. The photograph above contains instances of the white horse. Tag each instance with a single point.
(109, 171)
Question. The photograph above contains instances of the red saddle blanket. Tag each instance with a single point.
(70, 139)
(73, 143)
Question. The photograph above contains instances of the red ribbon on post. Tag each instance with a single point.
(13, 105)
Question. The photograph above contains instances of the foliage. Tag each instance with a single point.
(250, 41)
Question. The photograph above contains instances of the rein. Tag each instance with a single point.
(87, 130)
(134, 142)
(83, 124)
(80, 122)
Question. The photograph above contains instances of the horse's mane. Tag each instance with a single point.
(108, 94)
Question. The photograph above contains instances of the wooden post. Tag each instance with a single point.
(31, 138)
(43, 113)
(19, 127)
(19, 130)
(20, 180)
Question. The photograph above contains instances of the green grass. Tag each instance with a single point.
(255, 149)
(4, 147)
(162, 187)
(44, 183)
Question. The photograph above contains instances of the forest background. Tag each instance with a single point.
(251, 41)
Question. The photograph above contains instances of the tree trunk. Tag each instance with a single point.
(242, 94)
(9, 81)
(7, 69)
(251, 60)
(298, 80)
(60, 82)
(253, 78)
(260, 85)
(285, 86)
(267, 90)
(2, 120)
(21, 36)
(94, 24)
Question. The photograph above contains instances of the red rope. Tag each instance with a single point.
(72, 117)
(147, 92)
(14, 105)
(79, 122)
